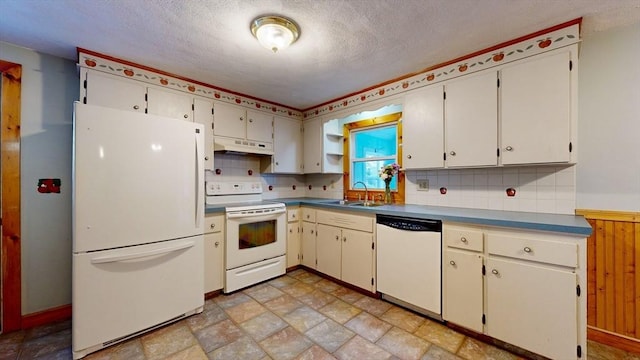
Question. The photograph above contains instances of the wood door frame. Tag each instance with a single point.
(11, 237)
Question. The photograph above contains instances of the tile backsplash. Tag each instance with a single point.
(237, 168)
(542, 189)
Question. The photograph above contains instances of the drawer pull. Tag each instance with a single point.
(527, 249)
(494, 272)
(463, 239)
(136, 107)
(453, 263)
(217, 243)
(290, 231)
(213, 226)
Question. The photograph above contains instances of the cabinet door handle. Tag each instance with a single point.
(337, 238)
(291, 231)
(317, 164)
(453, 263)
(495, 272)
(452, 153)
(250, 120)
(408, 156)
(344, 239)
(241, 118)
(217, 243)
(312, 231)
(508, 148)
(527, 249)
(186, 116)
(206, 158)
(136, 107)
(213, 226)
(277, 163)
(463, 239)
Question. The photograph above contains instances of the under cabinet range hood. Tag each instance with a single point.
(242, 146)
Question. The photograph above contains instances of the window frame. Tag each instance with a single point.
(352, 160)
(398, 195)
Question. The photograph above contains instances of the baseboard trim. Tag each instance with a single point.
(612, 339)
(46, 316)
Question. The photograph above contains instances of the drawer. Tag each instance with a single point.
(463, 238)
(309, 214)
(527, 247)
(213, 223)
(293, 215)
(347, 221)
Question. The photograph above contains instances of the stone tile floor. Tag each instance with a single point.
(296, 316)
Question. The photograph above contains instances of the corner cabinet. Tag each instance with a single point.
(213, 253)
(323, 146)
(423, 128)
(522, 287)
(538, 104)
(287, 148)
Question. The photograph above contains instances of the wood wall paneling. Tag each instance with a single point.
(10, 263)
(613, 278)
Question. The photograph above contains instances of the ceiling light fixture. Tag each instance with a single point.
(275, 32)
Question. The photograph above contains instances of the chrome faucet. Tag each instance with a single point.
(366, 191)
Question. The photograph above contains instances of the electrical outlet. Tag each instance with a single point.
(423, 184)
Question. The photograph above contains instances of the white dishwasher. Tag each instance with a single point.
(409, 263)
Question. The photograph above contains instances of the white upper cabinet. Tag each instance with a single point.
(203, 114)
(259, 126)
(287, 147)
(229, 120)
(113, 91)
(471, 120)
(169, 103)
(536, 100)
(423, 128)
(312, 146)
(237, 122)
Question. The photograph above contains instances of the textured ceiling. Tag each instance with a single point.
(345, 45)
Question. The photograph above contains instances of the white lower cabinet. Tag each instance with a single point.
(533, 307)
(293, 237)
(346, 252)
(308, 237)
(526, 288)
(462, 289)
(213, 253)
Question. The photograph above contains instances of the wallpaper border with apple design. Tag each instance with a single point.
(534, 46)
(543, 43)
(92, 61)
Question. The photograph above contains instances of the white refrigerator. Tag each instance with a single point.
(138, 214)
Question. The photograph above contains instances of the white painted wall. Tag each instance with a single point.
(49, 87)
(608, 170)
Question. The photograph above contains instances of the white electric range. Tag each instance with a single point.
(255, 241)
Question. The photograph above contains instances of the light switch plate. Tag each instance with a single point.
(423, 184)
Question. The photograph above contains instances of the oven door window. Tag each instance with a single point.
(257, 234)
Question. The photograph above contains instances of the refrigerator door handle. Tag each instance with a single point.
(139, 255)
(199, 179)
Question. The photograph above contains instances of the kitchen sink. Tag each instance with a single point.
(367, 204)
(353, 203)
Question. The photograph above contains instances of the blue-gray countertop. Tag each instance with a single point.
(569, 224)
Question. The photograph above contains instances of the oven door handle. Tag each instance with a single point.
(238, 215)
